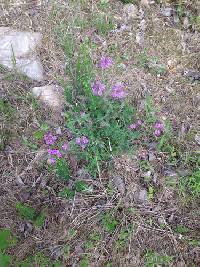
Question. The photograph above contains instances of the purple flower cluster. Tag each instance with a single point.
(159, 128)
(49, 138)
(55, 152)
(136, 125)
(98, 88)
(118, 91)
(105, 62)
(82, 141)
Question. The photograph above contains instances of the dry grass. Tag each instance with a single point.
(25, 176)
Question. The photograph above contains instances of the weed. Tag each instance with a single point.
(190, 185)
(6, 239)
(67, 193)
(150, 192)
(25, 211)
(154, 260)
(92, 241)
(123, 239)
(109, 222)
(40, 220)
(181, 229)
(28, 143)
(62, 170)
(5, 260)
(84, 262)
(82, 186)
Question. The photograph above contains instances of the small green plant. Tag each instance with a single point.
(82, 186)
(7, 239)
(123, 239)
(190, 185)
(67, 193)
(84, 262)
(181, 229)
(25, 211)
(29, 213)
(40, 219)
(152, 259)
(109, 222)
(150, 192)
(92, 241)
(62, 170)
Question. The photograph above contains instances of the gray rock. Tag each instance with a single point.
(143, 196)
(167, 12)
(197, 138)
(50, 95)
(194, 75)
(118, 182)
(18, 51)
(130, 11)
(152, 156)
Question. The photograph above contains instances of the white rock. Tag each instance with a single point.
(50, 95)
(167, 12)
(131, 11)
(197, 138)
(143, 196)
(17, 50)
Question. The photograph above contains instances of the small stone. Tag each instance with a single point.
(184, 172)
(118, 182)
(131, 11)
(194, 75)
(145, 3)
(197, 138)
(167, 12)
(51, 95)
(152, 157)
(26, 228)
(18, 51)
(161, 221)
(143, 196)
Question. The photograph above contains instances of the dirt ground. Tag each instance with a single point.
(156, 66)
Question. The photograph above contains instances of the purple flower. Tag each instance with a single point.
(82, 141)
(55, 152)
(65, 146)
(82, 113)
(118, 91)
(105, 62)
(51, 161)
(157, 133)
(159, 126)
(50, 139)
(139, 122)
(98, 88)
(132, 126)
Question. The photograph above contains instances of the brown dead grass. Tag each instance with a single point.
(84, 212)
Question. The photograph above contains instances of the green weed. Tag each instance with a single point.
(109, 222)
(82, 186)
(67, 193)
(84, 262)
(190, 185)
(62, 170)
(152, 259)
(6, 239)
(25, 211)
(123, 238)
(92, 241)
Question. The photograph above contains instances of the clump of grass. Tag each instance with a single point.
(190, 185)
(155, 259)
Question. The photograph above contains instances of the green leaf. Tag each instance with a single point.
(26, 211)
(67, 193)
(62, 170)
(7, 239)
(82, 186)
(38, 135)
(4, 260)
(39, 221)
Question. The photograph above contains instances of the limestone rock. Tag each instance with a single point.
(50, 95)
(131, 11)
(18, 51)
